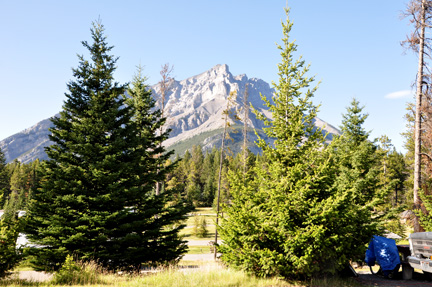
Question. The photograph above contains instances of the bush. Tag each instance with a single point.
(396, 227)
(200, 227)
(78, 273)
(202, 230)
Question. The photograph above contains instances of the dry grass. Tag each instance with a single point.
(194, 275)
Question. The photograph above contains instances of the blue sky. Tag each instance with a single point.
(353, 48)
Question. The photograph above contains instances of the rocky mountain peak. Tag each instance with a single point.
(194, 107)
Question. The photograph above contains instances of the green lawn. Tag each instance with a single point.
(202, 212)
(202, 249)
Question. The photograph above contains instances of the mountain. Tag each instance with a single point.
(194, 108)
(28, 145)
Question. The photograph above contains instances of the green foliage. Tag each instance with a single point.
(200, 227)
(96, 199)
(4, 180)
(425, 217)
(23, 179)
(396, 227)
(195, 176)
(273, 225)
(359, 192)
(10, 255)
(306, 210)
(77, 273)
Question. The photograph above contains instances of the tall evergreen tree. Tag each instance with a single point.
(301, 215)
(4, 180)
(160, 241)
(10, 255)
(273, 226)
(9, 224)
(194, 184)
(359, 191)
(96, 198)
(209, 177)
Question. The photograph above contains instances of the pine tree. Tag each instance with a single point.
(359, 192)
(420, 13)
(273, 225)
(306, 210)
(10, 255)
(96, 199)
(194, 184)
(4, 180)
(162, 212)
(209, 177)
(10, 225)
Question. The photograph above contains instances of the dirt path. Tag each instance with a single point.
(199, 257)
(33, 276)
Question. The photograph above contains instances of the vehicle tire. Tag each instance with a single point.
(428, 275)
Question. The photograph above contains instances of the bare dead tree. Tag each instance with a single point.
(420, 13)
(226, 117)
(165, 84)
(245, 126)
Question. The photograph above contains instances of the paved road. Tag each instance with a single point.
(201, 242)
(199, 257)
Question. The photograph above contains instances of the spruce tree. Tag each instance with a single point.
(4, 180)
(307, 209)
(273, 226)
(10, 255)
(96, 198)
(359, 192)
(160, 242)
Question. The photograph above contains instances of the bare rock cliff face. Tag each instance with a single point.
(194, 107)
(28, 145)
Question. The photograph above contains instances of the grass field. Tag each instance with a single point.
(210, 216)
(201, 249)
(209, 275)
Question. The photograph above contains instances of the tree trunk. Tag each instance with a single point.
(417, 131)
(245, 120)
(165, 85)
(219, 185)
(230, 101)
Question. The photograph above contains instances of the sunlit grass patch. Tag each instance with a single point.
(211, 277)
(202, 249)
(189, 274)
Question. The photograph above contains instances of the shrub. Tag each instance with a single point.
(78, 273)
(202, 230)
(200, 227)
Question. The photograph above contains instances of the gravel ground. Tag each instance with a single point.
(368, 279)
(373, 280)
(34, 276)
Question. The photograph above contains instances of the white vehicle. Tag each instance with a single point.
(420, 244)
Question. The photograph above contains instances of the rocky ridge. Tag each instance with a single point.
(194, 108)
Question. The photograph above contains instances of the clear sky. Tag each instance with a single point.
(353, 48)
